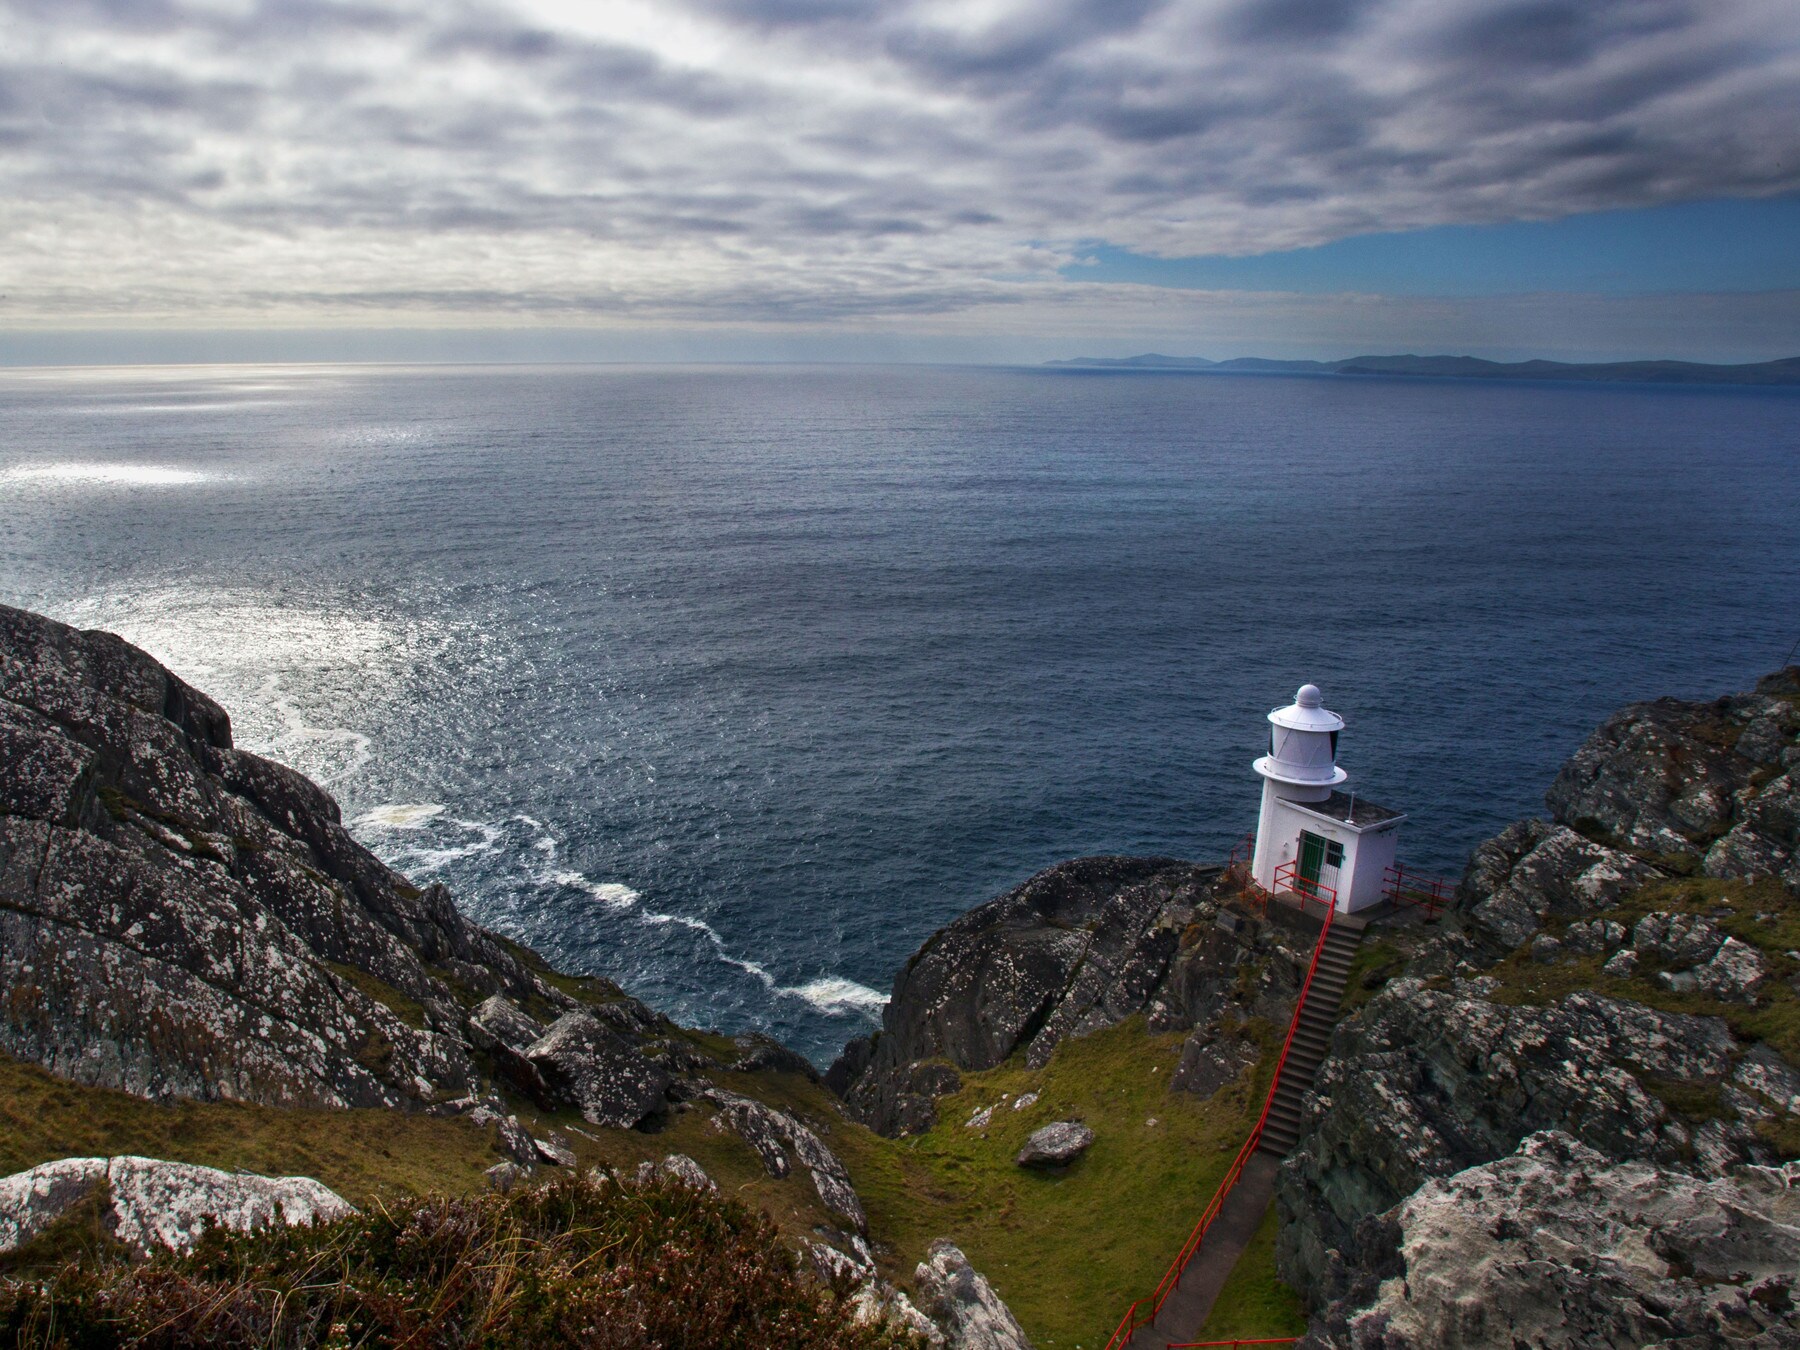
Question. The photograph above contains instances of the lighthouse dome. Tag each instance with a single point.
(1303, 742)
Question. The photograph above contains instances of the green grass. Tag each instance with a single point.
(1068, 1253)
(1254, 1302)
(1377, 961)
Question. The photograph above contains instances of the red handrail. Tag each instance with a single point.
(1409, 888)
(1171, 1280)
(1287, 878)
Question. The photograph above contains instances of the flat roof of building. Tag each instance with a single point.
(1351, 810)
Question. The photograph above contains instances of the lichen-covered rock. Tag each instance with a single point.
(1595, 937)
(1533, 871)
(1074, 949)
(1667, 776)
(964, 1305)
(1709, 779)
(682, 1168)
(1422, 1083)
(153, 1204)
(773, 1133)
(1677, 939)
(1056, 1145)
(179, 918)
(587, 1065)
(1556, 1246)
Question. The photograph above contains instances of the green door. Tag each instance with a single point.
(1312, 858)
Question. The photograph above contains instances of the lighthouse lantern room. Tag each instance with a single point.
(1313, 838)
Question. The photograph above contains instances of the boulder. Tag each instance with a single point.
(968, 1313)
(1056, 1145)
(1557, 1246)
(152, 1204)
(681, 1168)
(587, 1065)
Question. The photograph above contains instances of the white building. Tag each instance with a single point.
(1313, 837)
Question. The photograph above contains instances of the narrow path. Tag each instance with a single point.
(1187, 1308)
(1191, 1303)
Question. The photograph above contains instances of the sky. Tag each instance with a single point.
(983, 180)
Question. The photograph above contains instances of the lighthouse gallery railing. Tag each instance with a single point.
(1144, 1311)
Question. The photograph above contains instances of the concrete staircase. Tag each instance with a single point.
(1312, 1034)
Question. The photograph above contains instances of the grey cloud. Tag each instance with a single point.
(837, 156)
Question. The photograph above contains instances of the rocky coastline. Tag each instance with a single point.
(1565, 1114)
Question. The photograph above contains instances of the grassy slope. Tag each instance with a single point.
(1067, 1252)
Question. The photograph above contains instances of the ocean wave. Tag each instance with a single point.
(399, 816)
(614, 894)
(835, 994)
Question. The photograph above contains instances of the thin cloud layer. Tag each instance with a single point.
(813, 161)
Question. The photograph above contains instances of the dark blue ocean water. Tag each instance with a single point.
(734, 683)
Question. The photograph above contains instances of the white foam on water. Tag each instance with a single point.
(106, 475)
(835, 994)
(613, 894)
(399, 816)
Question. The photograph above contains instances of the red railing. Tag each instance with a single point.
(1409, 888)
(1287, 878)
(1136, 1316)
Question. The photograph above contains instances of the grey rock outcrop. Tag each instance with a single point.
(1534, 871)
(1056, 1145)
(965, 1307)
(773, 1134)
(1437, 1075)
(1076, 948)
(681, 1168)
(1556, 1246)
(1423, 1083)
(181, 918)
(585, 1064)
(151, 1204)
(1713, 779)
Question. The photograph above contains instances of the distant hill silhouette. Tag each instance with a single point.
(1785, 371)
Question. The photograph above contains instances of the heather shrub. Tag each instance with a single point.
(581, 1262)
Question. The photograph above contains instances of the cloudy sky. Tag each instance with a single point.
(928, 179)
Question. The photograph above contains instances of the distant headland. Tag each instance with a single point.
(1785, 371)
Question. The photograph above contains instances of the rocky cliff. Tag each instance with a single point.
(181, 918)
(184, 921)
(1081, 946)
(1624, 977)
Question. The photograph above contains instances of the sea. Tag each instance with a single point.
(734, 683)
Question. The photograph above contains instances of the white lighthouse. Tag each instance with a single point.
(1313, 838)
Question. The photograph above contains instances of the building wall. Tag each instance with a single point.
(1359, 881)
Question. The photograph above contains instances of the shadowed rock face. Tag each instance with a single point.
(1079, 947)
(180, 918)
